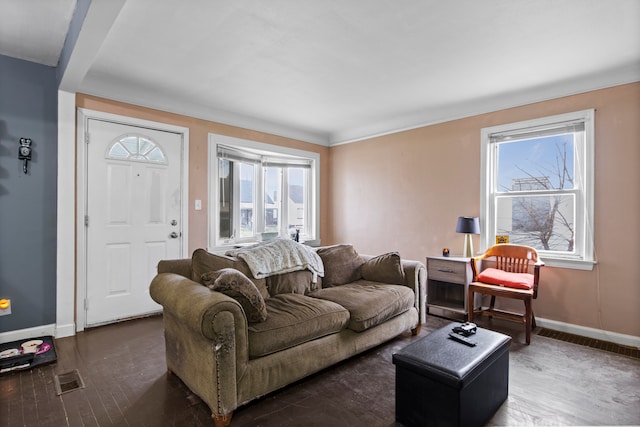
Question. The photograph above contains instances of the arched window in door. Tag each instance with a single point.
(136, 148)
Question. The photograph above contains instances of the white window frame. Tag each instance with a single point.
(584, 187)
(312, 215)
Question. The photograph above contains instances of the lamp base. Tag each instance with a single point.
(467, 251)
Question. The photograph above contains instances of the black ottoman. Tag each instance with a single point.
(441, 382)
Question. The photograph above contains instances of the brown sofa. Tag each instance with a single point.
(361, 301)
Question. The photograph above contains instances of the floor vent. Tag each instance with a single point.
(591, 342)
(68, 381)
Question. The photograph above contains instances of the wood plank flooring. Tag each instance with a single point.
(123, 367)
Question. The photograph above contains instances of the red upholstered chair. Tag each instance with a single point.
(515, 275)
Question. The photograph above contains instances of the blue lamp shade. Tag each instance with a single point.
(468, 225)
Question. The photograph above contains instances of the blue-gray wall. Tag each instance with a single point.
(28, 108)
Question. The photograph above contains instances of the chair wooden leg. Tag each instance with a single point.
(491, 305)
(533, 320)
(528, 320)
(470, 304)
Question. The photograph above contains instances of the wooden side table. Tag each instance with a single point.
(448, 280)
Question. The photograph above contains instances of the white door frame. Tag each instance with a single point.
(84, 115)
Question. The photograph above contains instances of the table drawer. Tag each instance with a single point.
(447, 271)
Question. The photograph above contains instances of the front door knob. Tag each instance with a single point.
(174, 235)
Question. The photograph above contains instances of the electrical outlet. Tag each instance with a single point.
(5, 307)
(198, 205)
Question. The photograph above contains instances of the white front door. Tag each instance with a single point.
(134, 200)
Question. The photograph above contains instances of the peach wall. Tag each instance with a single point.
(404, 192)
(198, 157)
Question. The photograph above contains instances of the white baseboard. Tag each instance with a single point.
(25, 334)
(68, 330)
(598, 334)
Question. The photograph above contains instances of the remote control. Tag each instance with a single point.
(462, 339)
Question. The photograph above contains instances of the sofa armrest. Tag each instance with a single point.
(206, 339)
(415, 274)
(415, 277)
(178, 266)
(194, 304)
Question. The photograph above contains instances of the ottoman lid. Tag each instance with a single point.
(439, 357)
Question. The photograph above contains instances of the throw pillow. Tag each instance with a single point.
(233, 283)
(496, 276)
(203, 262)
(342, 265)
(385, 268)
(295, 282)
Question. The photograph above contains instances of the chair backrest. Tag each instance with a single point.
(513, 258)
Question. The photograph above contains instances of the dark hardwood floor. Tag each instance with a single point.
(126, 384)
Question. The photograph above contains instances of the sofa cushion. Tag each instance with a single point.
(295, 282)
(293, 319)
(369, 303)
(385, 268)
(233, 283)
(203, 262)
(342, 265)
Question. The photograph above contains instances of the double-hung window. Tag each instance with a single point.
(260, 191)
(537, 186)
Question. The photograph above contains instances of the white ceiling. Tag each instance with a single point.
(334, 71)
(34, 30)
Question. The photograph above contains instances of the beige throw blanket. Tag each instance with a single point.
(279, 256)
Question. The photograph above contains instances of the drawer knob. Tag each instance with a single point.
(445, 270)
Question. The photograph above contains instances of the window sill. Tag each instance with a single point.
(569, 263)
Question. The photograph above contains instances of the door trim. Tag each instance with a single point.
(84, 115)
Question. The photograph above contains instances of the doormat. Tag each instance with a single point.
(26, 354)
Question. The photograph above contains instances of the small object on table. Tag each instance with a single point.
(466, 329)
(445, 252)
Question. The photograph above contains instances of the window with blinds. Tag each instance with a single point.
(259, 191)
(537, 186)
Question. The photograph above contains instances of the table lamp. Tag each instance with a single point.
(468, 225)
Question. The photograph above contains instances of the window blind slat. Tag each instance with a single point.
(279, 163)
(234, 154)
(229, 153)
(542, 131)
